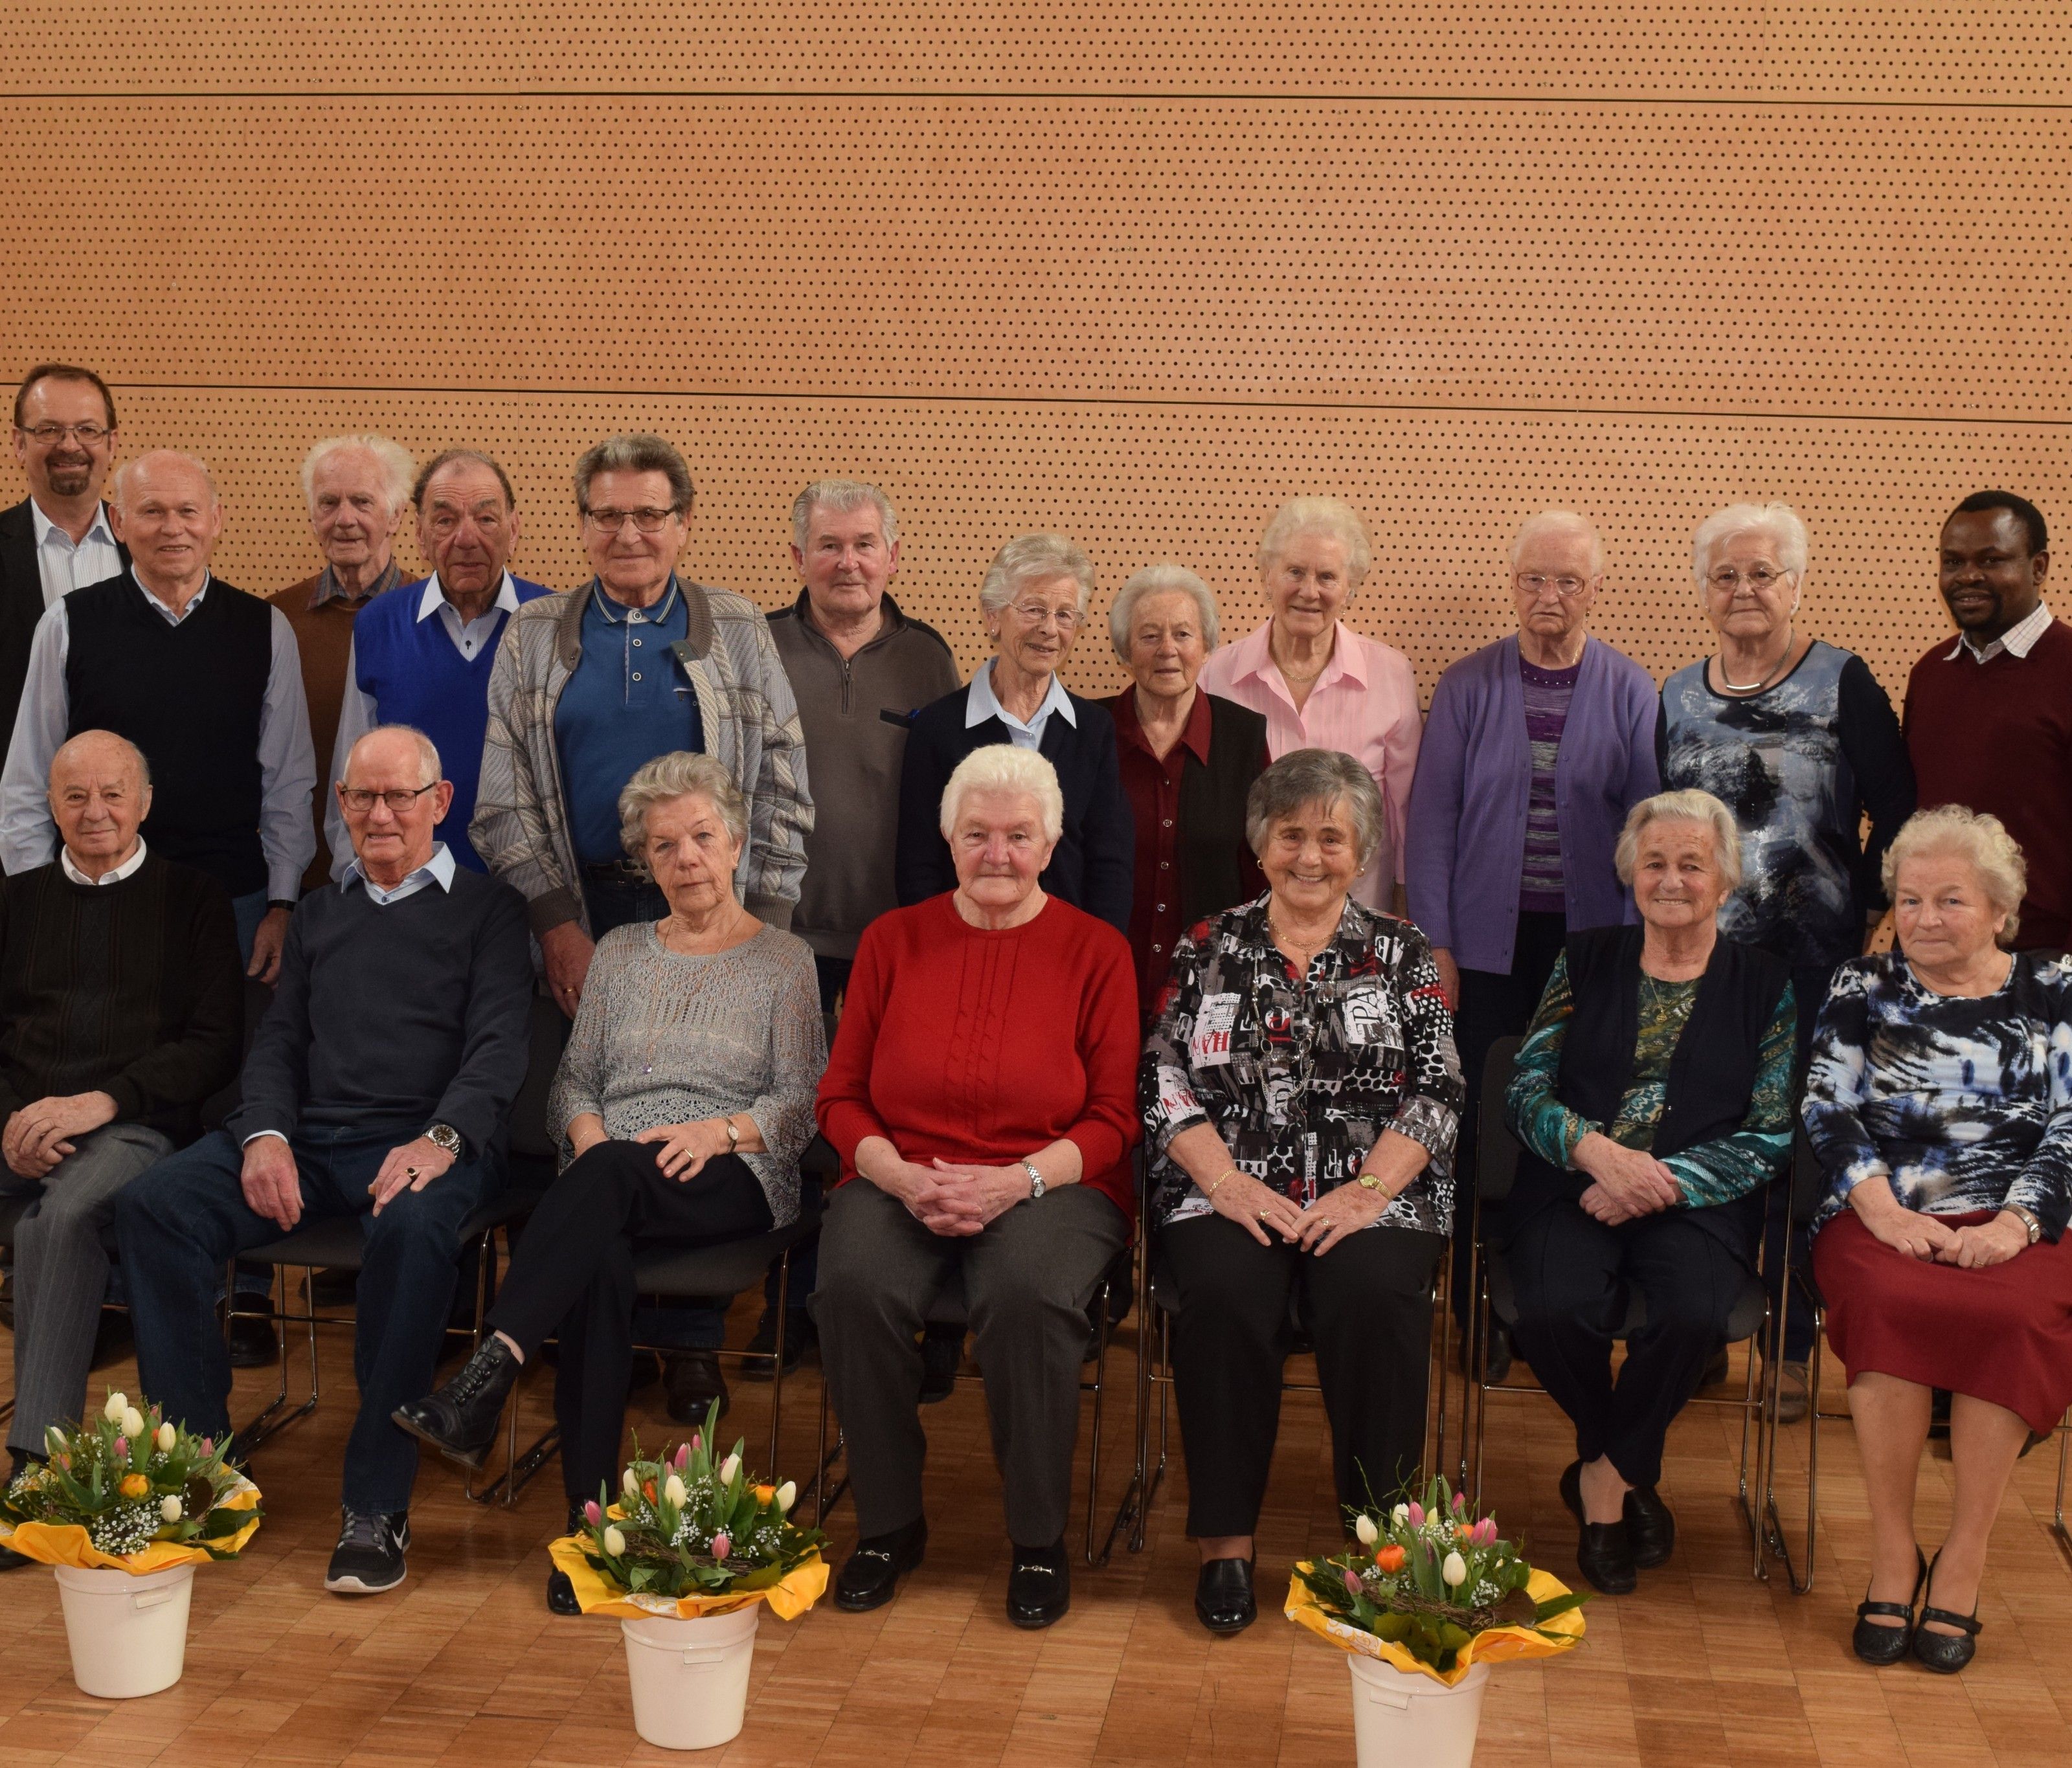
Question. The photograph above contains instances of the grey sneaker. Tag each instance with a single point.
(368, 1558)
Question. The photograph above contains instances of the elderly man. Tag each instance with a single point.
(1536, 749)
(120, 993)
(202, 678)
(423, 658)
(378, 1087)
(57, 538)
(356, 488)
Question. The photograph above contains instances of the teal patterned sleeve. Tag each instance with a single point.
(1731, 1166)
(1538, 1117)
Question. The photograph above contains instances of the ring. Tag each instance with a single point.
(409, 1172)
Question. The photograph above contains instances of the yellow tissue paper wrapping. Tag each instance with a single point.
(798, 1590)
(67, 1544)
(1498, 1645)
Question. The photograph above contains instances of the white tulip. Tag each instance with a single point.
(1363, 1527)
(673, 1490)
(786, 1495)
(133, 1424)
(629, 1485)
(167, 1437)
(170, 1509)
(54, 1440)
(118, 1404)
(1400, 1514)
(1455, 1571)
(615, 1541)
(728, 1468)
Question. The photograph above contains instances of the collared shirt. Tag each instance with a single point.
(1153, 784)
(438, 869)
(981, 703)
(2018, 640)
(64, 564)
(1364, 705)
(329, 588)
(115, 875)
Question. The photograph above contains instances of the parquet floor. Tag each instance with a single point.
(464, 1665)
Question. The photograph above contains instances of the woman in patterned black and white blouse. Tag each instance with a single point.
(1299, 1088)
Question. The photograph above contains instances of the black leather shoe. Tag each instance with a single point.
(1650, 1526)
(253, 1343)
(459, 1419)
(870, 1576)
(1883, 1645)
(1604, 1552)
(1223, 1601)
(942, 1351)
(762, 1347)
(11, 1560)
(1944, 1653)
(561, 1592)
(1039, 1588)
(691, 1381)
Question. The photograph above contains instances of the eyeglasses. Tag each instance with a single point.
(359, 801)
(1035, 613)
(50, 435)
(613, 521)
(1758, 578)
(1533, 584)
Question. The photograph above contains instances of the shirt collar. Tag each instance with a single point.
(327, 589)
(1193, 734)
(96, 530)
(434, 598)
(127, 869)
(438, 869)
(618, 613)
(160, 609)
(1252, 655)
(980, 703)
(2019, 639)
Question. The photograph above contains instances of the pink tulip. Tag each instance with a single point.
(594, 1513)
(697, 1440)
(721, 1546)
(1460, 1502)
(683, 1456)
(209, 1445)
(121, 1448)
(1416, 1514)
(1353, 1585)
(1486, 1530)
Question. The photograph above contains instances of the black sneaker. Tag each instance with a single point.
(368, 1558)
(459, 1419)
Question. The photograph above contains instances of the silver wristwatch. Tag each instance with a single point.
(2028, 1220)
(1035, 1180)
(445, 1136)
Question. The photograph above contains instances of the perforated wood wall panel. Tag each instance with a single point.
(1135, 273)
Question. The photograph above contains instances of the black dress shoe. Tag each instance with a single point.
(1039, 1588)
(871, 1574)
(561, 1592)
(942, 1352)
(459, 1419)
(1604, 1552)
(691, 1382)
(762, 1347)
(1650, 1526)
(1223, 1601)
(1944, 1653)
(1883, 1645)
(253, 1342)
(11, 1560)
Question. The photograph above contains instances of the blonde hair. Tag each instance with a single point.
(680, 774)
(1032, 558)
(1980, 840)
(1002, 767)
(1684, 807)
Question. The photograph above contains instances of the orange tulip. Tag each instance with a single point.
(648, 1486)
(764, 1494)
(1462, 1531)
(135, 1485)
(1390, 1558)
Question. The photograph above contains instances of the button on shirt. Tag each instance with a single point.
(115, 875)
(1154, 786)
(64, 564)
(981, 703)
(2018, 640)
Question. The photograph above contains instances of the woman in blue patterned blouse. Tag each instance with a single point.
(1940, 1105)
(1653, 1094)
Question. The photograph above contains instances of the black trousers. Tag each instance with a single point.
(1367, 1306)
(1571, 1275)
(573, 1276)
(1493, 1005)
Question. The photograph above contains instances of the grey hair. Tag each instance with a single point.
(1690, 806)
(1301, 515)
(126, 473)
(1159, 580)
(635, 452)
(1779, 521)
(1980, 841)
(1002, 767)
(1025, 558)
(680, 774)
(428, 751)
(398, 468)
(137, 756)
(448, 457)
(1564, 521)
(845, 497)
(1304, 777)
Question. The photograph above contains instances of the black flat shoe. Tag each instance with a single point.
(561, 1592)
(870, 1576)
(1604, 1552)
(1651, 1528)
(1223, 1601)
(1883, 1645)
(1944, 1653)
(1039, 1590)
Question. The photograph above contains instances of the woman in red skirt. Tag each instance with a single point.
(1940, 1104)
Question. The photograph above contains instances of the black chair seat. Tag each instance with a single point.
(726, 1269)
(336, 1244)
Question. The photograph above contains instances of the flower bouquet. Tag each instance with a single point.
(685, 1556)
(123, 1510)
(1429, 1598)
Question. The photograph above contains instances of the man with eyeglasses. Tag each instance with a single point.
(57, 538)
(1536, 749)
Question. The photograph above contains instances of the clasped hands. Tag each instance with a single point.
(1626, 1183)
(38, 1136)
(1934, 1242)
(1256, 1206)
(955, 1198)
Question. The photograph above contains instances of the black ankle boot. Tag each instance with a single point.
(459, 1419)
(561, 1592)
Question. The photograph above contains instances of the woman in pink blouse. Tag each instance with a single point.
(1319, 683)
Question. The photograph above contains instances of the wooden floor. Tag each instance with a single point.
(464, 1665)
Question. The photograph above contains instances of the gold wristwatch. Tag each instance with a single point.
(1373, 1181)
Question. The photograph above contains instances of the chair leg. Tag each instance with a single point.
(777, 1370)
(825, 1499)
(1442, 1289)
(1100, 1390)
(1798, 1572)
(247, 1440)
(1128, 1513)
(1749, 1496)
(2058, 1531)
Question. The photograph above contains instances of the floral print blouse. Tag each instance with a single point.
(1302, 1073)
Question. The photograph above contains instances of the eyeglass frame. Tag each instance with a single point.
(1067, 619)
(1734, 578)
(613, 521)
(409, 796)
(50, 434)
(1534, 582)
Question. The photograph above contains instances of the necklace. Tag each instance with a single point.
(698, 945)
(1282, 936)
(1791, 639)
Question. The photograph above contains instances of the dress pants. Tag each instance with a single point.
(573, 1276)
(61, 1275)
(1571, 1274)
(1367, 1306)
(178, 1225)
(1029, 1277)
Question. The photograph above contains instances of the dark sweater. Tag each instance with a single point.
(391, 1019)
(134, 989)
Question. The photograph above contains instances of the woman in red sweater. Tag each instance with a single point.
(982, 1096)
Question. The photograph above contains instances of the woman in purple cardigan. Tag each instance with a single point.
(1536, 749)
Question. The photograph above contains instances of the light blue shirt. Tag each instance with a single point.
(438, 869)
(981, 703)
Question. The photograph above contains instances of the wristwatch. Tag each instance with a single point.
(1035, 1180)
(732, 1135)
(445, 1136)
(2028, 1220)
(1373, 1181)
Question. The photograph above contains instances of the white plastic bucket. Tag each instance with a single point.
(128, 1634)
(690, 1677)
(1400, 1718)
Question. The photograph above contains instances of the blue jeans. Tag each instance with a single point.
(247, 912)
(178, 1225)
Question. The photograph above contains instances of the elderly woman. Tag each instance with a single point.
(1653, 1096)
(1319, 683)
(1188, 761)
(1940, 1105)
(1301, 1095)
(683, 1103)
(980, 1098)
(1033, 599)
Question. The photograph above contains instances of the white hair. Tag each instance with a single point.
(1002, 767)
(1558, 521)
(1690, 806)
(844, 496)
(1301, 515)
(1980, 841)
(1159, 580)
(1779, 521)
(1029, 558)
(397, 469)
(680, 774)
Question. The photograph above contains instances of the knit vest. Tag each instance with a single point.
(1213, 797)
(415, 675)
(190, 696)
